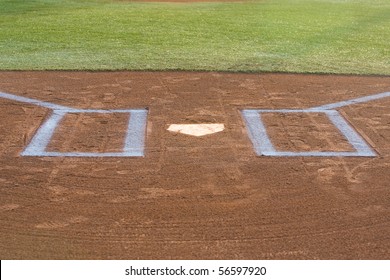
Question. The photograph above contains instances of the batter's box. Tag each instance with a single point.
(132, 144)
(262, 143)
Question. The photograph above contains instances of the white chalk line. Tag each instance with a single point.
(135, 132)
(353, 101)
(135, 135)
(263, 145)
(44, 104)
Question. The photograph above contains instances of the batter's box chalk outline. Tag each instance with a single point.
(263, 146)
(134, 140)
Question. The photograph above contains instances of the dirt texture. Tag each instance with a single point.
(207, 197)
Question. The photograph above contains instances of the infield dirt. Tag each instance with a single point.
(205, 197)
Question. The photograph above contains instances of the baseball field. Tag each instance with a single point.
(195, 129)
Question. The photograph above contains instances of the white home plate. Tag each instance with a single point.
(197, 129)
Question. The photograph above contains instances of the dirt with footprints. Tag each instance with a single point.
(207, 197)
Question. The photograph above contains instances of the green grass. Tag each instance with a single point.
(302, 36)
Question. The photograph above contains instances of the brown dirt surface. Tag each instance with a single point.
(304, 132)
(205, 197)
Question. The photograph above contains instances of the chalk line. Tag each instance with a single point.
(135, 133)
(352, 101)
(44, 104)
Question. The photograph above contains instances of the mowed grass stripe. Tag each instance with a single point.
(260, 36)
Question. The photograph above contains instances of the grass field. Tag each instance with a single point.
(300, 36)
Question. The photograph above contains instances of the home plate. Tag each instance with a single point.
(197, 129)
